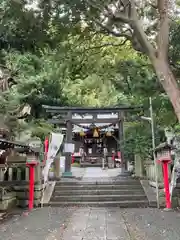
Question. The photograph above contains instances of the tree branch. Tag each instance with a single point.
(109, 29)
(107, 45)
(125, 13)
(153, 5)
(163, 34)
(121, 15)
(140, 34)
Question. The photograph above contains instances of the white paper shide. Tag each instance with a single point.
(54, 145)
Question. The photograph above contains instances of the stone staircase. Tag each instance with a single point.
(89, 163)
(125, 192)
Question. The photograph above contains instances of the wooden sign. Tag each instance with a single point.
(32, 158)
(35, 143)
(69, 147)
(16, 159)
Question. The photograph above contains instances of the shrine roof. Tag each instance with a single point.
(99, 116)
(90, 109)
(77, 129)
(18, 146)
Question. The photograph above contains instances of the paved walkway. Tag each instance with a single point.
(93, 224)
(95, 172)
(85, 174)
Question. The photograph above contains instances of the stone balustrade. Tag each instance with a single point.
(151, 171)
(14, 185)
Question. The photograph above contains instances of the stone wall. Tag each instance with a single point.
(15, 186)
(22, 194)
(150, 169)
(8, 201)
(151, 176)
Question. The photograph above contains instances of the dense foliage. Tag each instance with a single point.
(60, 62)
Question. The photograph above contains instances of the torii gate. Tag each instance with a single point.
(63, 116)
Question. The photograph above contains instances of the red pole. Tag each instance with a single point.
(73, 158)
(113, 156)
(31, 186)
(119, 154)
(166, 184)
(46, 146)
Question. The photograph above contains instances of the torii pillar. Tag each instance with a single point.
(121, 142)
(67, 173)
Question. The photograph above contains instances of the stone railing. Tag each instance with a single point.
(151, 171)
(14, 185)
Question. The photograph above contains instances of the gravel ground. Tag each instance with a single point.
(92, 224)
(40, 224)
(152, 224)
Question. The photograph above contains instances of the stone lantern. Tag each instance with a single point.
(163, 156)
(163, 152)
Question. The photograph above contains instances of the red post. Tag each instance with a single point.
(73, 158)
(166, 184)
(31, 184)
(46, 146)
(31, 187)
(119, 155)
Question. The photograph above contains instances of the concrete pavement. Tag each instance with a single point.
(95, 172)
(93, 224)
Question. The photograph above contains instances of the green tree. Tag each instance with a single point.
(39, 81)
(144, 23)
(68, 63)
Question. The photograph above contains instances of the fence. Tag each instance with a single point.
(151, 171)
(14, 185)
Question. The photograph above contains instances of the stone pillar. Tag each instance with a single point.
(18, 174)
(27, 174)
(68, 172)
(175, 180)
(57, 167)
(2, 173)
(121, 140)
(10, 173)
(37, 171)
(159, 173)
(176, 189)
(139, 167)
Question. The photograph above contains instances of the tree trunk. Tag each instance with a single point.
(169, 83)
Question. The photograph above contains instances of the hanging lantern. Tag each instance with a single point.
(108, 134)
(95, 133)
(82, 133)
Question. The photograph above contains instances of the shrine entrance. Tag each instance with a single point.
(92, 130)
(96, 141)
(93, 146)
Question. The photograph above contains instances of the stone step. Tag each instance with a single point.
(95, 187)
(124, 181)
(121, 204)
(100, 198)
(91, 165)
(98, 192)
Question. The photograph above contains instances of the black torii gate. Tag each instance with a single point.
(64, 116)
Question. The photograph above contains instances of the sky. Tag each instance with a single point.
(32, 4)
